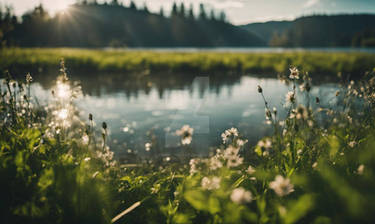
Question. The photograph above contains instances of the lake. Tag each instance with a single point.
(152, 107)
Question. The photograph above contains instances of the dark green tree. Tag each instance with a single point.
(212, 15)
(145, 9)
(182, 10)
(202, 12)
(161, 12)
(174, 9)
(114, 2)
(191, 12)
(222, 16)
(132, 5)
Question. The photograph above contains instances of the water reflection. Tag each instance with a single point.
(143, 109)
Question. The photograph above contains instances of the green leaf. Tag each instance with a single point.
(197, 199)
(334, 145)
(298, 209)
(46, 179)
(213, 205)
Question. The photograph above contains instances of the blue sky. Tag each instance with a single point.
(238, 11)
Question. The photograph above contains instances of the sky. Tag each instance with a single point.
(238, 11)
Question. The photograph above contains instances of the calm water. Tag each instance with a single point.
(137, 109)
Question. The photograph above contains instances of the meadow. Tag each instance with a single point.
(56, 167)
(37, 60)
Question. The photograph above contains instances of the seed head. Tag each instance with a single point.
(260, 90)
(104, 125)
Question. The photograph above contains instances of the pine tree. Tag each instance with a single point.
(132, 5)
(212, 15)
(191, 12)
(161, 13)
(182, 9)
(145, 7)
(202, 12)
(174, 9)
(114, 2)
(222, 17)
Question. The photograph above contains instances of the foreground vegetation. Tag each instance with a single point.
(55, 168)
(18, 60)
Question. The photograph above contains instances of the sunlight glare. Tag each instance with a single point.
(63, 90)
(62, 114)
(61, 7)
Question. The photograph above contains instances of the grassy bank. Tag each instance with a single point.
(18, 60)
(56, 167)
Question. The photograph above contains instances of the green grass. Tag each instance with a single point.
(55, 168)
(317, 63)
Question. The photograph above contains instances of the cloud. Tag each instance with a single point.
(225, 4)
(228, 4)
(311, 3)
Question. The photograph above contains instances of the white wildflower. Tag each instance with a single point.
(186, 134)
(29, 78)
(360, 169)
(290, 97)
(315, 165)
(231, 151)
(302, 113)
(228, 133)
(215, 163)
(234, 161)
(352, 144)
(85, 139)
(281, 186)
(241, 142)
(265, 146)
(232, 157)
(250, 170)
(265, 143)
(155, 189)
(211, 183)
(294, 73)
(241, 196)
(148, 146)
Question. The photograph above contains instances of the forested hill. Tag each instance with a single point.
(267, 30)
(103, 25)
(318, 31)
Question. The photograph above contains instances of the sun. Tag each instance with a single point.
(60, 6)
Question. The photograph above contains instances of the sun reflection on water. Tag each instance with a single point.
(63, 90)
(63, 114)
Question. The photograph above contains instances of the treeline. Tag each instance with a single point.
(90, 24)
(318, 31)
(177, 10)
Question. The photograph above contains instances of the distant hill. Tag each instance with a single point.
(266, 30)
(105, 25)
(318, 31)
